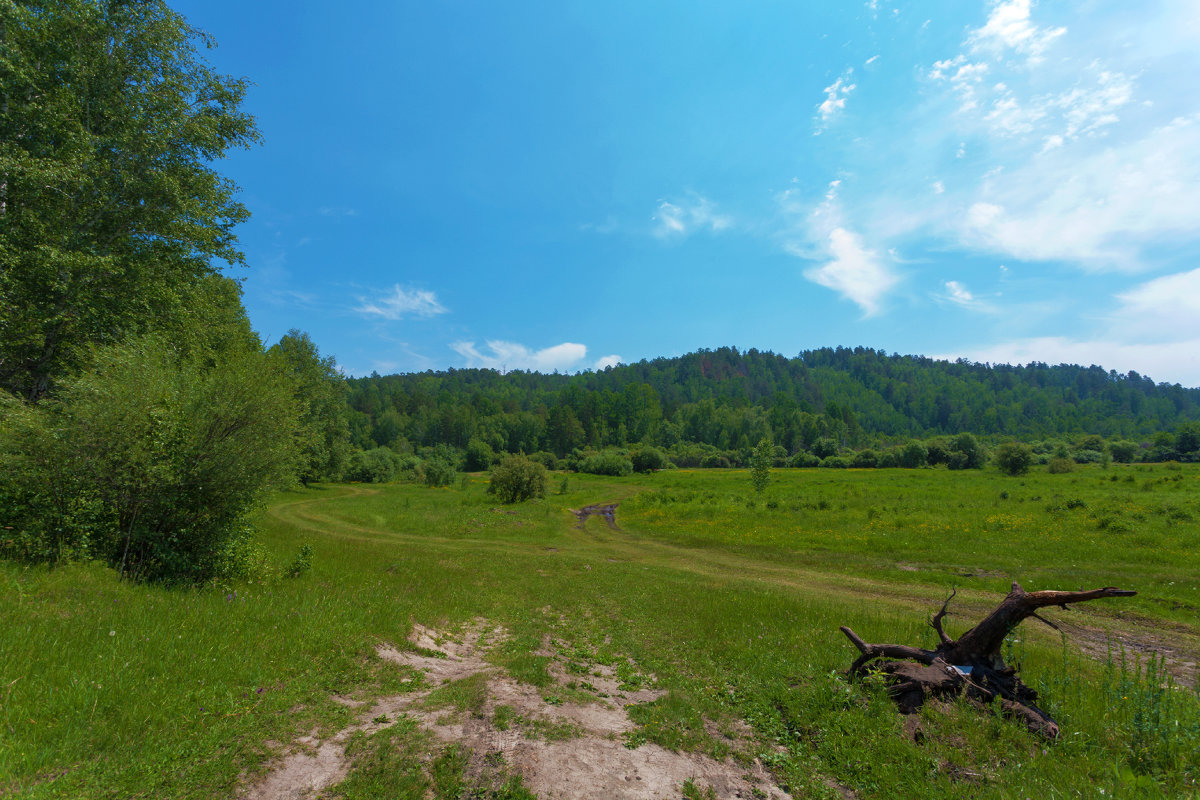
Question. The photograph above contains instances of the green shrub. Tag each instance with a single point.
(479, 456)
(835, 462)
(803, 459)
(914, 455)
(1124, 451)
(1014, 458)
(648, 459)
(517, 478)
(377, 465)
(865, 459)
(606, 464)
(439, 472)
(150, 461)
(1059, 466)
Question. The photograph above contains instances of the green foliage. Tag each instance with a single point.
(320, 392)
(517, 478)
(113, 216)
(377, 465)
(609, 463)
(914, 455)
(479, 456)
(760, 465)
(302, 563)
(865, 459)
(649, 459)
(154, 461)
(439, 472)
(966, 453)
(1059, 466)
(1123, 452)
(1014, 458)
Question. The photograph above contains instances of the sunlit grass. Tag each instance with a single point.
(730, 601)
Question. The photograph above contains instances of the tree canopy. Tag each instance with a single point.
(111, 215)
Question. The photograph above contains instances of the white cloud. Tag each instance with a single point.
(337, 211)
(1172, 362)
(685, 217)
(835, 96)
(607, 361)
(853, 271)
(399, 303)
(506, 356)
(1162, 309)
(871, 60)
(959, 293)
(938, 187)
(1097, 210)
(1008, 27)
(1155, 329)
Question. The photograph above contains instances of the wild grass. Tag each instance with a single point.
(728, 600)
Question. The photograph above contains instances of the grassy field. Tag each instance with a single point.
(727, 601)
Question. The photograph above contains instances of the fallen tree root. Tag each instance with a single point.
(972, 664)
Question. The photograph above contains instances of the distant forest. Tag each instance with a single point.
(721, 403)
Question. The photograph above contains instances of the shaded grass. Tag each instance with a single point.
(116, 690)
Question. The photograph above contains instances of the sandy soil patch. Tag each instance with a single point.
(562, 750)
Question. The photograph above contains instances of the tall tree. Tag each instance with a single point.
(320, 392)
(110, 213)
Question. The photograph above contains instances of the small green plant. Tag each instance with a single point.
(1060, 466)
(760, 465)
(302, 563)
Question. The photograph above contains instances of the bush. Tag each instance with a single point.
(1059, 465)
(803, 459)
(1123, 452)
(972, 450)
(547, 460)
(517, 478)
(479, 456)
(889, 459)
(377, 465)
(835, 462)
(714, 461)
(1014, 458)
(914, 455)
(865, 459)
(606, 464)
(1088, 457)
(648, 459)
(439, 472)
(150, 461)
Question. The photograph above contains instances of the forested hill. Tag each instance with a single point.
(731, 399)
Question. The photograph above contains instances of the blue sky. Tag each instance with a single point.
(566, 185)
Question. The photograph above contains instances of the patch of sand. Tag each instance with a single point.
(587, 758)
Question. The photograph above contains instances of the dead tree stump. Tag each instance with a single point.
(972, 664)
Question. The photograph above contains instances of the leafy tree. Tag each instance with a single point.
(479, 456)
(156, 460)
(320, 392)
(377, 465)
(439, 472)
(1014, 458)
(111, 216)
(1123, 452)
(974, 456)
(914, 455)
(606, 464)
(648, 459)
(760, 465)
(517, 478)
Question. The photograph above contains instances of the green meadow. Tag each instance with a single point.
(728, 600)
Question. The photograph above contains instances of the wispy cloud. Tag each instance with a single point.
(337, 211)
(1099, 209)
(835, 98)
(398, 303)
(1009, 28)
(506, 356)
(685, 217)
(853, 271)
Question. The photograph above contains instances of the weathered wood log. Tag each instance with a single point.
(973, 664)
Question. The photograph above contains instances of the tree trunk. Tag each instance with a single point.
(972, 665)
